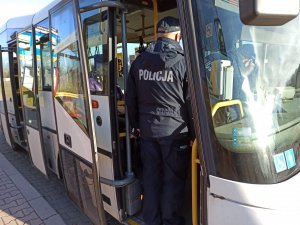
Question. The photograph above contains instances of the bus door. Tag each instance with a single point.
(28, 84)
(3, 107)
(45, 98)
(73, 112)
(99, 27)
(12, 95)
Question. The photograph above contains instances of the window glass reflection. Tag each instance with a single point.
(68, 86)
(253, 81)
(27, 77)
(95, 28)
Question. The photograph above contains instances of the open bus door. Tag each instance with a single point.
(100, 22)
(45, 99)
(73, 111)
(11, 92)
(29, 87)
(85, 105)
(3, 106)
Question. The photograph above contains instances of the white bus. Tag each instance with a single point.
(245, 164)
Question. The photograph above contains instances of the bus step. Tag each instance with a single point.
(133, 197)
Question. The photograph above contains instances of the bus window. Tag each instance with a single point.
(43, 56)
(253, 93)
(97, 51)
(68, 84)
(27, 78)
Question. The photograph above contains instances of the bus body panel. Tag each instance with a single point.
(280, 196)
(106, 170)
(16, 23)
(51, 150)
(35, 147)
(221, 211)
(49, 130)
(104, 143)
(80, 142)
(235, 203)
(47, 110)
(43, 13)
(103, 130)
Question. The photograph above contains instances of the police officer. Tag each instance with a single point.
(156, 98)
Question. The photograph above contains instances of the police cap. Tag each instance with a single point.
(168, 24)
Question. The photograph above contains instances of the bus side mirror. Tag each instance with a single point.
(268, 12)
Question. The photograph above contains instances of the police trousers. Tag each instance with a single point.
(165, 169)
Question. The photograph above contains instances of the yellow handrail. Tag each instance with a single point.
(66, 94)
(122, 134)
(195, 161)
(155, 17)
(227, 103)
(121, 103)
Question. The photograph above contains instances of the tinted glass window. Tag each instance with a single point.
(7, 83)
(27, 77)
(253, 77)
(43, 56)
(68, 86)
(95, 28)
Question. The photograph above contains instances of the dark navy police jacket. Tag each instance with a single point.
(157, 91)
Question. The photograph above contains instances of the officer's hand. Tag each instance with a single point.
(135, 133)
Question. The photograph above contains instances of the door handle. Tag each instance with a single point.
(68, 140)
(99, 121)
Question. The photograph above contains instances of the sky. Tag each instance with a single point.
(15, 8)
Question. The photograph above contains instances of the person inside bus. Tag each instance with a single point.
(244, 68)
(244, 77)
(158, 108)
(95, 86)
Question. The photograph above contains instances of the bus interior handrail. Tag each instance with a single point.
(118, 183)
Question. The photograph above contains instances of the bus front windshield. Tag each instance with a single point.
(253, 78)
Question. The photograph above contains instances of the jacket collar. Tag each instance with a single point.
(172, 43)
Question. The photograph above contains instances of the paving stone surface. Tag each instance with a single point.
(27, 197)
(14, 207)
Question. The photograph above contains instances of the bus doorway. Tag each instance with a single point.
(11, 91)
(141, 21)
(112, 41)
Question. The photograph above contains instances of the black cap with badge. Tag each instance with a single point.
(168, 24)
